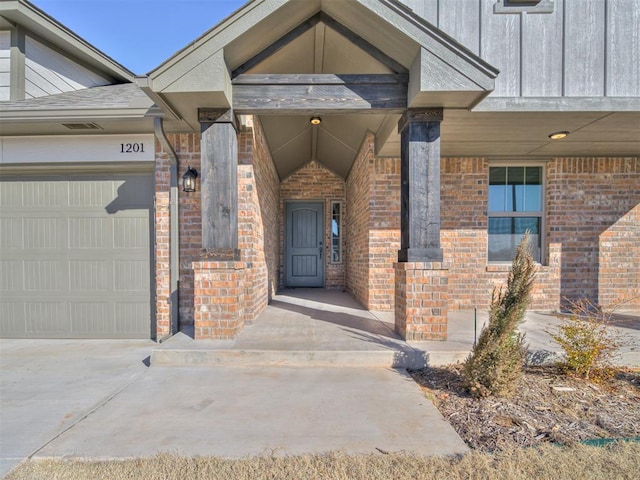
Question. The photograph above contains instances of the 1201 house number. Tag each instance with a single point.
(132, 148)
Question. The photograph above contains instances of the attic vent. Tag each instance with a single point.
(520, 6)
(82, 126)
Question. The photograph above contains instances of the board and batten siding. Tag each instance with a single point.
(5, 66)
(48, 72)
(584, 48)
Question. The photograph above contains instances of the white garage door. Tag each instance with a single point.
(75, 256)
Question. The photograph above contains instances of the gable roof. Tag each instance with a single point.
(30, 17)
(442, 72)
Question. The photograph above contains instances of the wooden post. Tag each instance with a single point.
(420, 188)
(219, 184)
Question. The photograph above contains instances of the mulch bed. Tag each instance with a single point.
(547, 407)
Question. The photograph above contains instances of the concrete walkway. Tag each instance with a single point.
(101, 399)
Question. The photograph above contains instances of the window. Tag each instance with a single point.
(515, 206)
(336, 232)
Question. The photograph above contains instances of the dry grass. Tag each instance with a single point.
(618, 461)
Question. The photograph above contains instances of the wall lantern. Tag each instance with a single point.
(189, 180)
(315, 121)
(558, 135)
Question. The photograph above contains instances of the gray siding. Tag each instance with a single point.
(48, 72)
(5, 66)
(584, 48)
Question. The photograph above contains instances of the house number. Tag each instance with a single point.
(132, 148)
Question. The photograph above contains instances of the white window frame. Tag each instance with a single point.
(540, 214)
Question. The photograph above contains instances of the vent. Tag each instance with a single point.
(82, 126)
(522, 6)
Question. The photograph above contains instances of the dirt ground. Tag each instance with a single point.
(548, 407)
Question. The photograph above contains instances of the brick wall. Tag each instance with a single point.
(373, 228)
(619, 252)
(592, 223)
(358, 190)
(314, 182)
(258, 202)
(187, 148)
(593, 213)
(161, 244)
(464, 237)
(384, 234)
(258, 209)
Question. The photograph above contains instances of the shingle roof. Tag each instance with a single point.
(122, 96)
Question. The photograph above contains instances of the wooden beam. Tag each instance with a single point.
(277, 45)
(219, 185)
(420, 186)
(321, 79)
(363, 44)
(319, 93)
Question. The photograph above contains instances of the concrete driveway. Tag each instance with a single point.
(98, 399)
(48, 386)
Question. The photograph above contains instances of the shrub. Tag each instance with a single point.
(496, 361)
(588, 344)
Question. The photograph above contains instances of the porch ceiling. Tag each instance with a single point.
(519, 134)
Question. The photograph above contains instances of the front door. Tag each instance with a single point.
(304, 247)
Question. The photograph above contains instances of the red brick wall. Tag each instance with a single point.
(463, 212)
(593, 213)
(258, 208)
(314, 182)
(258, 202)
(619, 252)
(161, 244)
(187, 148)
(384, 234)
(358, 190)
(373, 227)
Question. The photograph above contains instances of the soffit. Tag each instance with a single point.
(293, 141)
(525, 134)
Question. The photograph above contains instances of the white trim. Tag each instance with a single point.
(77, 149)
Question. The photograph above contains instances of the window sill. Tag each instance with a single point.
(498, 267)
(505, 267)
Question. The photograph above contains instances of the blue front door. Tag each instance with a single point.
(304, 247)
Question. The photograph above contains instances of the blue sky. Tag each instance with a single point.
(139, 34)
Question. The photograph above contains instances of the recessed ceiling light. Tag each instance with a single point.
(558, 135)
(315, 121)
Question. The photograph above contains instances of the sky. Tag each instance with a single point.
(139, 34)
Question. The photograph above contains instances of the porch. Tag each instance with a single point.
(321, 328)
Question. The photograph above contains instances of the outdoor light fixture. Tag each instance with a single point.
(315, 121)
(189, 180)
(558, 135)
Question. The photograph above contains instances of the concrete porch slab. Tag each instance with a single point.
(322, 328)
(300, 328)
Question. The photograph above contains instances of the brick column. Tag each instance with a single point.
(421, 300)
(218, 299)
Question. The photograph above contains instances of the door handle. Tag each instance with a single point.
(320, 250)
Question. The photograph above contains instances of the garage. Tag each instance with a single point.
(75, 254)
